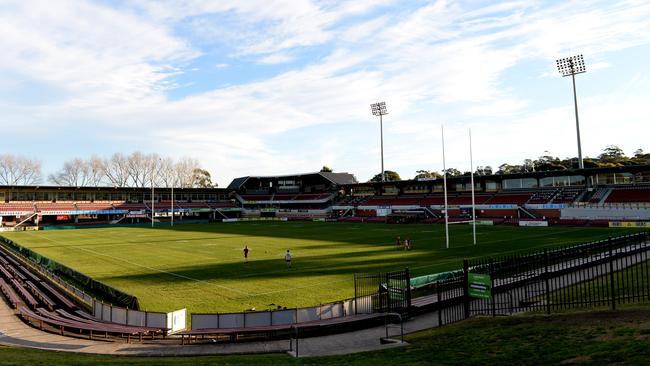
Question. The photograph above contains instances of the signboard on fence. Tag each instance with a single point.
(533, 223)
(480, 285)
(629, 224)
(176, 320)
(485, 222)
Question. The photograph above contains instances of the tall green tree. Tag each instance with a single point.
(390, 175)
(201, 178)
(613, 156)
(640, 157)
(508, 169)
(427, 174)
(453, 172)
(483, 170)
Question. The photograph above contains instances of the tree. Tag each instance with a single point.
(528, 166)
(184, 172)
(19, 170)
(143, 168)
(97, 172)
(509, 169)
(453, 172)
(165, 173)
(427, 174)
(116, 170)
(548, 163)
(390, 175)
(640, 157)
(613, 155)
(325, 169)
(486, 170)
(590, 163)
(202, 179)
(75, 173)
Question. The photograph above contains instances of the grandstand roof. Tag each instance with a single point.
(336, 178)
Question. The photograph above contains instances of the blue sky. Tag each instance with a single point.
(284, 86)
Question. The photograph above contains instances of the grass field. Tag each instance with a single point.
(201, 267)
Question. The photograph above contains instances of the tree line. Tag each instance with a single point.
(134, 170)
(612, 156)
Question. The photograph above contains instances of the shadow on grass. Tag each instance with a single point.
(322, 265)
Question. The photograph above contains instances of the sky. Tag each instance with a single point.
(285, 86)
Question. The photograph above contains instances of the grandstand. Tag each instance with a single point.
(43, 206)
(298, 196)
(588, 196)
(559, 197)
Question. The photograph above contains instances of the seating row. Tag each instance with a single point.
(40, 304)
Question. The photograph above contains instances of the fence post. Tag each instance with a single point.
(355, 294)
(611, 273)
(493, 299)
(466, 287)
(546, 278)
(439, 294)
(408, 293)
(381, 294)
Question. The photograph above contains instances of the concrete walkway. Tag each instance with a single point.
(14, 332)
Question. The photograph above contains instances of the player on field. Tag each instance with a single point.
(287, 258)
(246, 253)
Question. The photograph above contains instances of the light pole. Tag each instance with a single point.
(379, 109)
(444, 184)
(571, 66)
(153, 209)
(173, 201)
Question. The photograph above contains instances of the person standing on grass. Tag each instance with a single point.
(246, 253)
(398, 242)
(287, 258)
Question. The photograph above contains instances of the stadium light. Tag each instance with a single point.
(379, 109)
(570, 66)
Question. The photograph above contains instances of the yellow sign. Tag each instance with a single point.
(634, 224)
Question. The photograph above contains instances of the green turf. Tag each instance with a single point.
(596, 338)
(631, 286)
(201, 266)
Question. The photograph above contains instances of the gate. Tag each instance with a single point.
(388, 292)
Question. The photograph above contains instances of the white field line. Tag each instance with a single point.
(93, 240)
(252, 294)
(247, 294)
(280, 257)
(156, 269)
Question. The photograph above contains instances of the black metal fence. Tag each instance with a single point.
(382, 292)
(595, 274)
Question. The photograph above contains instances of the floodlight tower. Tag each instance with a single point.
(379, 109)
(571, 66)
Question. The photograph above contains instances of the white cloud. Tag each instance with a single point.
(95, 54)
(276, 58)
(111, 69)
